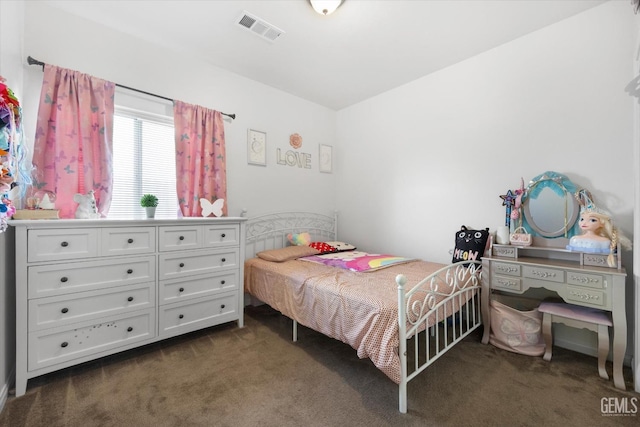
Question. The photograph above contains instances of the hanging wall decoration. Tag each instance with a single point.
(326, 158)
(295, 140)
(257, 147)
(294, 158)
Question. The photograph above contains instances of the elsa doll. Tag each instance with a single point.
(598, 232)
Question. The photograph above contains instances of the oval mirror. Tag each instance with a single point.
(550, 208)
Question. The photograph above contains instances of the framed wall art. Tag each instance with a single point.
(256, 147)
(325, 158)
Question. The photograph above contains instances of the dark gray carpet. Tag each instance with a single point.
(255, 376)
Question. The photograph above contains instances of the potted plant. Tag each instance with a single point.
(149, 202)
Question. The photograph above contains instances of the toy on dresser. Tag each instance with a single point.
(87, 208)
(599, 235)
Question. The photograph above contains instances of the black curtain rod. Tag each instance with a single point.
(32, 61)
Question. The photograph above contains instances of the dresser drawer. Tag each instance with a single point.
(179, 238)
(66, 309)
(504, 251)
(543, 273)
(588, 296)
(128, 241)
(183, 264)
(197, 287)
(58, 279)
(188, 316)
(505, 282)
(587, 280)
(220, 236)
(506, 268)
(62, 244)
(60, 345)
(597, 260)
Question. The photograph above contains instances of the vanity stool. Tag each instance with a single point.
(577, 316)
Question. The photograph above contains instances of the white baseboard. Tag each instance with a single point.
(586, 349)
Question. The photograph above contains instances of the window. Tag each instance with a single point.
(143, 162)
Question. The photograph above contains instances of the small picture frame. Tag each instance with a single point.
(325, 158)
(256, 147)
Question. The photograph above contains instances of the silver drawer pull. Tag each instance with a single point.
(64, 244)
(507, 269)
(584, 296)
(507, 283)
(583, 279)
(543, 273)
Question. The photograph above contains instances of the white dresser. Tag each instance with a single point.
(89, 288)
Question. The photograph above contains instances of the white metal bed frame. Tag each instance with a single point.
(416, 307)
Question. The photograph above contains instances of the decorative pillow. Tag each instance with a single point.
(301, 239)
(323, 247)
(341, 246)
(470, 244)
(286, 254)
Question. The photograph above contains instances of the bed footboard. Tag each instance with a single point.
(433, 316)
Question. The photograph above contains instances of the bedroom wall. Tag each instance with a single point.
(11, 21)
(59, 38)
(427, 157)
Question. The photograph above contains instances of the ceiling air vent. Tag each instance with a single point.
(259, 27)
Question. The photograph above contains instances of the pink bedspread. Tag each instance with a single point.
(357, 260)
(360, 309)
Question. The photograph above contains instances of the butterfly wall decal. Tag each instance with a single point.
(209, 208)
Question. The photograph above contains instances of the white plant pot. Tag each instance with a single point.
(151, 211)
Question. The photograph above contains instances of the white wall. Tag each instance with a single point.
(11, 20)
(58, 38)
(434, 154)
(419, 161)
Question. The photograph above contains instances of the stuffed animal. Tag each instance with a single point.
(86, 206)
(301, 239)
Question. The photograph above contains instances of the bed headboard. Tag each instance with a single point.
(269, 231)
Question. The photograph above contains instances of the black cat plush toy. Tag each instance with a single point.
(470, 244)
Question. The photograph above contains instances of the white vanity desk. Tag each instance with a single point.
(578, 278)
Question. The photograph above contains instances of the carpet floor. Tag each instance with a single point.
(256, 376)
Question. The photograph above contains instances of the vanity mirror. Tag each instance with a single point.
(550, 207)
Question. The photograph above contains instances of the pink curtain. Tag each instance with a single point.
(73, 145)
(200, 157)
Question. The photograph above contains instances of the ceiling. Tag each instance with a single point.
(363, 49)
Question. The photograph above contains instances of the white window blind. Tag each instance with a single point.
(143, 162)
